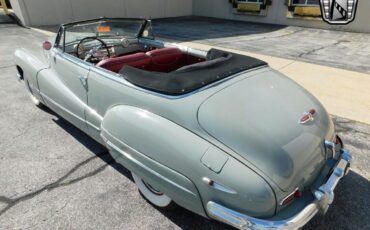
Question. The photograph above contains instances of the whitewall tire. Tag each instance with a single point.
(155, 197)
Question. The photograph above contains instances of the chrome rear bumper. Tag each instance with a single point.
(324, 196)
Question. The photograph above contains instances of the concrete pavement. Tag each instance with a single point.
(324, 47)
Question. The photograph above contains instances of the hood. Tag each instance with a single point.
(258, 118)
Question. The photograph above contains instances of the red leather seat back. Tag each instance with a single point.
(165, 59)
(138, 60)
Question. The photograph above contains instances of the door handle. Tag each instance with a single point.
(83, 80)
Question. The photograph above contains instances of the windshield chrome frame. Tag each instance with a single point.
(63, 27)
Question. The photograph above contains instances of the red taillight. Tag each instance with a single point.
(297, 194)
(46, 45)
(291, 196)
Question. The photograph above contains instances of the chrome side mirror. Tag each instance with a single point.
(46, 45)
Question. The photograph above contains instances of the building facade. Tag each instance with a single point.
(306, 13)
(53, 12)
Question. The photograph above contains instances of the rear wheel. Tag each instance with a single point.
(153, 195)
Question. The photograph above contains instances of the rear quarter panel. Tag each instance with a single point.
(153, 127)
(174, 153)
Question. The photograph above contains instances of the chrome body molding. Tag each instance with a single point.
(61, 107)
(218, 186)
(288, 196)
(34, 89)
(323, 197)
(93, 126)
(73, 59)
(72, 114)
(136, 162)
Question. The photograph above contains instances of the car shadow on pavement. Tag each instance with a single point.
(349, 210)
(188, 220)
(95, 147)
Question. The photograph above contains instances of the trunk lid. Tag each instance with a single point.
(258, 118)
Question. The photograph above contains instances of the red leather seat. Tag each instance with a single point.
(138, 60)
(165, 59)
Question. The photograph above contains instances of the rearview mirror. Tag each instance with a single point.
(46, 45)
(148, 31)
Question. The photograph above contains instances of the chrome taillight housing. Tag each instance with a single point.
(295, 194)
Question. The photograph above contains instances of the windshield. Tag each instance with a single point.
(106, 28)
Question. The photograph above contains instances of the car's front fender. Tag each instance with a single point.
(30, 65)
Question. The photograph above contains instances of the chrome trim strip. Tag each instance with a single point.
(61, 107)
(323, 197)
(70, 113)
(135, 161)
(34, 89)
(73, 59)
(93, 115)
(93, 126)
(288, 196)
(218, 186)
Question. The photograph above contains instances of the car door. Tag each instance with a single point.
(64, 86)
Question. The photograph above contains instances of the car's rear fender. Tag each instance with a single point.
(28, 66)
(144, 149)
(180, 163)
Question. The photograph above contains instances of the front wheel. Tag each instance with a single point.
(151, 194)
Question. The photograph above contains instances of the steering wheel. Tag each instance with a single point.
(90, 54)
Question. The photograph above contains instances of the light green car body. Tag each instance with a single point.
(241, 133)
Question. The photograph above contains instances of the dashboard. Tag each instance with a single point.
(94, 50)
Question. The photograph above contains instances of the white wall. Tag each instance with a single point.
(53, 12)
(276, 14)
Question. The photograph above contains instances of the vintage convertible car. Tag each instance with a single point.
(218, 133)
